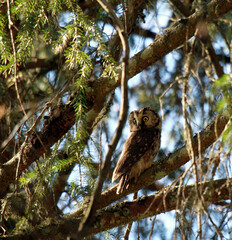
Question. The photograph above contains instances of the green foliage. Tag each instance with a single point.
(223, 88)
(5, 51)
(80, 42)
(55, 6)
(60, 52)
(31, 19)
(86, 44)
(45, 171)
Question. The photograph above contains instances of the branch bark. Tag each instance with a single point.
(99, 90)
(32, 150)
(129, 211)
(87, 220)
(176, 36)
(160, 202)
(203, 35)
(167, 165)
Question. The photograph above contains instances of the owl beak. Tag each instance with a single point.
(139, 126)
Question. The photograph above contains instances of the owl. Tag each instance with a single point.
(140, 147)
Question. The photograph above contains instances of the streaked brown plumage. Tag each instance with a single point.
(140, 148)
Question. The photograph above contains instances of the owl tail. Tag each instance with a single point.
(123, 183)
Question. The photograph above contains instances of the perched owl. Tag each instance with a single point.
(140, 148)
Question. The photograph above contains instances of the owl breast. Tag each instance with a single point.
(144, 163)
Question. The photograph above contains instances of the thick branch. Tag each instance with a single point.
(203, 35)
(48, 64)
(182, 7)
(167, 165)
(176, 36)
(91, 211)
(29, 152)
(160, 202)
(129, 211)
(99, 90)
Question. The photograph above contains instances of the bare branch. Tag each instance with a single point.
(10, 24)
(58, 125)
(87, 220)
(164, 166)
(176, 36)
(129, 211)
(183, 8)
(49, 135)
(170, 163)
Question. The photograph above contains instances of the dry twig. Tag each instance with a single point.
(87, 220)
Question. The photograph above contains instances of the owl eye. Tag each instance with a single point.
(145, 119)
(134, 121)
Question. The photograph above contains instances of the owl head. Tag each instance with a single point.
(144, 118)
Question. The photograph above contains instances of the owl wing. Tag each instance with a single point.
(135, 147)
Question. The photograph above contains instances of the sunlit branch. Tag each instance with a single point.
(87, 220)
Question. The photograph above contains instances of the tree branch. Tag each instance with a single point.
(58, 125)
(183, 8)
(204, 37)
(129, 211)
(176, 36)
(91, 211)
(49, 64)
(165, 166)
(101, 87)
(160, 202)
